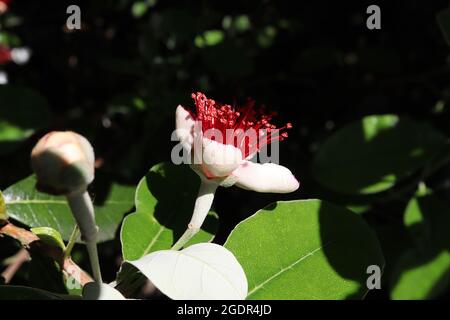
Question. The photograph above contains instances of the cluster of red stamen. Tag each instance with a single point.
(224, 117)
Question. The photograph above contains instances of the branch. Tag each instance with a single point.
(17, 260)
(30, 241)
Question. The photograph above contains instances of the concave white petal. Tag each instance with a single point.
(267, 177)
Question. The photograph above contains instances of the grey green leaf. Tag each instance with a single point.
(35, 209)
(305, 249)
(165, 200)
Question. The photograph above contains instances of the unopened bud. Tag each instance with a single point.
(63, 163)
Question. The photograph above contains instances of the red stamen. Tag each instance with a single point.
(223, 117)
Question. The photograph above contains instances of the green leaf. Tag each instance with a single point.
(359, 208)
(421, 276)
(35, 209)
(165, 199)
(49, 236)
(8, 292)
(3, 214)
(266, 37)
(371, 155)
(305, 249)
(45, 273)
(423, 272)
(139, 8)
(416, 223)
(30, 114)
(427, 219)
(209, 38)
(443, 19)
(25, 293)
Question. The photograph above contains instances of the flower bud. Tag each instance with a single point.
(63, 163)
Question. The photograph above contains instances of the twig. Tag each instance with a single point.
(73, 238)
(30, 241)
(17, 261)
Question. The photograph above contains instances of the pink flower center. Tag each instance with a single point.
(247, 128)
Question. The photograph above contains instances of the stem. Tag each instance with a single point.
(21, 257)
(95, 264)
(32, 242)
(83, 211)
(202, 205)
(72, 240)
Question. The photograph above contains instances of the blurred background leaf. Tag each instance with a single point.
(22, 112)
(373, 154)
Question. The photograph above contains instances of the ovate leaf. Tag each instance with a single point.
(199, 272)
(165, 200)
(372, 154)
(49, 236)
(35, 209)
(305, 249)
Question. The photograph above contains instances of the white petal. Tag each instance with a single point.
(199, 272)
(101, 291)
(184, 124)
(220, 159)
(267, 177)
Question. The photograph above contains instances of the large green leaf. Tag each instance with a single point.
(22, 111)
(423, 272)
(372, 154)
(35, 209)
(305, 249)
(165, 199)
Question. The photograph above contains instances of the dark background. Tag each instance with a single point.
(120, 78)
